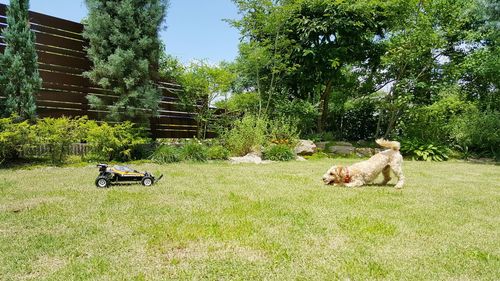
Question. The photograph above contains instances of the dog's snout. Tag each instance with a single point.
(325, 179)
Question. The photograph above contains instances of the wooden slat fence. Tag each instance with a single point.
(62, 60)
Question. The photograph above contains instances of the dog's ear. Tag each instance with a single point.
(339, 174)
(339, 169)
(332, 170)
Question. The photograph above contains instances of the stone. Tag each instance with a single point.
(305, 147)
(251, 157)
(367, 151)
(343, 143)
(341, 149)
(364, 151)
(300, 158)
(321, 145)
(364, 143)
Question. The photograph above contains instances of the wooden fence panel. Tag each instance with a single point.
(62, 60)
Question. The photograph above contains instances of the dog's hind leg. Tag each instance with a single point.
(386, 172)
(398, 171)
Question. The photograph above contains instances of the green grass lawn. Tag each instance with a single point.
(241, 222)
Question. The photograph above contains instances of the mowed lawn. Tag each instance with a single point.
(243, 222)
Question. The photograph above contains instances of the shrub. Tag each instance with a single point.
(279, 152)
(478, 131)
(58, 134)
(247, 102)
(305, 113)
(323, 136)
(357, 119)
(166, 154)
(431, 123)
(193, 150)
(283, 131)
(217, 152)
(425, 152)
(247, 135)
(12, 136)
(119, 142)
(318, 155)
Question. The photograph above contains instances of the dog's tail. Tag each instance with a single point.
(389, 144)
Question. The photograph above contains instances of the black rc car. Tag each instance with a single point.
(122, 174)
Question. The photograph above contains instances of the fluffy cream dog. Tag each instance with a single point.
(367, 171)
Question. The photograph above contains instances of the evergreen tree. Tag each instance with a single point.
(19, 77)
(125, 49)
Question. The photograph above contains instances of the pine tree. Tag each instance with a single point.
(19, 77)
(125, 48)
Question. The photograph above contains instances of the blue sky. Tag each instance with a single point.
(195, 29)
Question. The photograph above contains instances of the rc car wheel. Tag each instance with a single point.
(102, 182)
(147, 181)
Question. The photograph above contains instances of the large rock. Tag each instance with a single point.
(300, 158)
(305, 147)
(343, 143)
(364, 143)
(366, 151)
(251, 157)
(341, 149)
(256, 151)
(321, 145)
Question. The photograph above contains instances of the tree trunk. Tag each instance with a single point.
(379, 123)
(392, 122)
(323, 106)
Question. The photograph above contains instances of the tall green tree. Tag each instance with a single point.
(19, 77)
(438, 48)
(479, 70)
(125, 50)
(202, 85)
(307, 43)
(412, 51)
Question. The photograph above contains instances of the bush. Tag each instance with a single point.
(58, 134)
(431, 123)
(283, 131)
(279, 152)
(357, 119)
(193, 150)
(425, 152)
(12, 137)
(323, 136)
(119, 142)
(479, 132)
(318, 155)
(217, 152)
(241, 102)
(305, 113)
(247, 135)
(166, 154)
